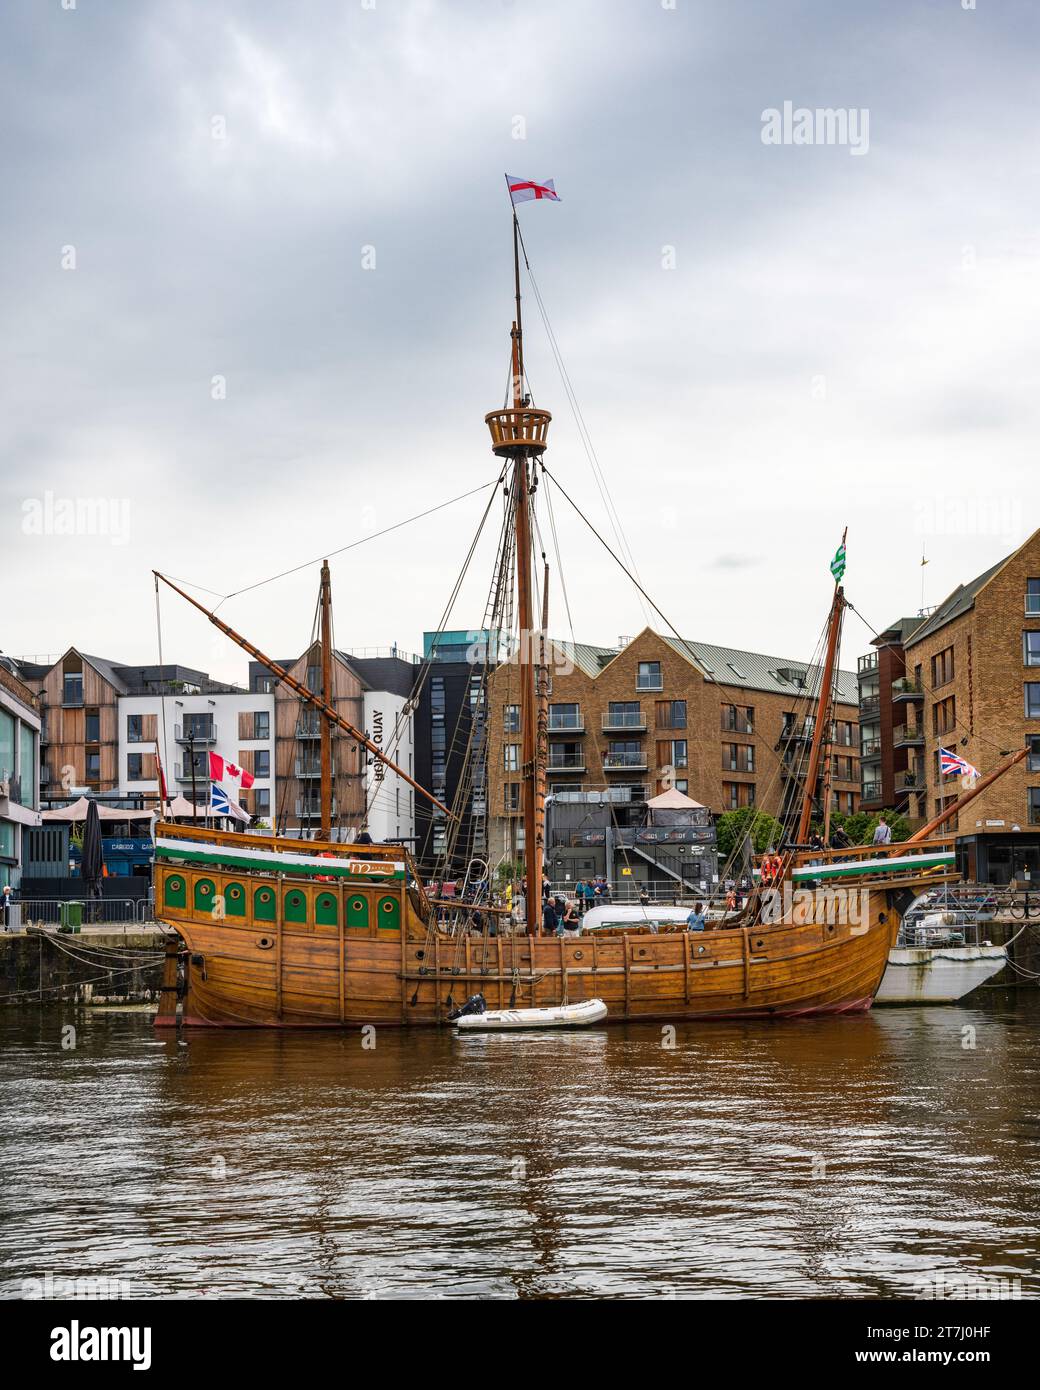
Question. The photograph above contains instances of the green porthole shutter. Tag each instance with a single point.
(263, 905)
(388, 913)
(234, 900)
(205, 894)
(174, 891)
(295, 905)
(326, 912)
(357, 910)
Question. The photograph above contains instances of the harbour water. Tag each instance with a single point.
(868, 1156)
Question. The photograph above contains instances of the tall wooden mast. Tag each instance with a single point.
(519, 432)
(820, 730)
(326, 695)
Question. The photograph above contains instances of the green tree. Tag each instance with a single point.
(860, 826)
(732, 827)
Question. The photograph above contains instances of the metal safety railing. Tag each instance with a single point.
(82, 912)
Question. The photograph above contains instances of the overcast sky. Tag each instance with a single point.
(767, 341)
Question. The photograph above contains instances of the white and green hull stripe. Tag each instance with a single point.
(263, 861)
(898, 864)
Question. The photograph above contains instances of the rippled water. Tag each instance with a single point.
(846, 1156)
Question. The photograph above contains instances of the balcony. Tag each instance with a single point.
(799, 733)
(310, 810)
(908, 735)
(309, 767)
(867, 663)
(913, 780)
(307, 728)
(870, 752)
(625, 719)
(182, 773)
(191, 733)
(871, 792)
(565, 762)
(624, 762)
(904, 689)
(869, 708)
(566, 724)
(650, 683)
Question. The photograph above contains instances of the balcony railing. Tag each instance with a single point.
(906, 689)
(867, 663)
(649, 682)
(182, 773)
(307, 729)
(912, 780)
(565, 762)
(871, 750)
(310, 809)
(309, 767)
(908, 734)
(625, 719)
(566, 724)
(802, 732)
(188, 733)
(871, 791)
(870, 707)
(624, 762)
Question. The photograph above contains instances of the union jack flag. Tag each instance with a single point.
(950, 763)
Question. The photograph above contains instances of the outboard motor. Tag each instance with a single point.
(475, 1004)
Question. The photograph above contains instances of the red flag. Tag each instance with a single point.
(221, 770)
(164, 795)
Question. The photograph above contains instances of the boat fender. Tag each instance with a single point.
(475, 1004)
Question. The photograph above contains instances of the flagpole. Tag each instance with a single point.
(518, 382)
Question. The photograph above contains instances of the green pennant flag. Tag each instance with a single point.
(838, 563)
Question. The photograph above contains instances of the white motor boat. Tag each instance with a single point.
(506, 1020)
(939, 956)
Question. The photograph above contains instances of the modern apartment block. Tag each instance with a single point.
(19, 770)
(888, 733)
(728, 728)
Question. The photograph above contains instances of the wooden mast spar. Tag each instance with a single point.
(323, 707)
(519, 433)
(823, 707)
(326, 695)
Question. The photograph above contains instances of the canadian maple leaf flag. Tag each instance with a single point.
(223, 771)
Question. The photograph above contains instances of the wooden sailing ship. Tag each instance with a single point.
(272, 931)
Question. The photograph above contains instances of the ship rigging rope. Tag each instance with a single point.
(352, 545)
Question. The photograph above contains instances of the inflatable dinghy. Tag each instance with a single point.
(561, 1016)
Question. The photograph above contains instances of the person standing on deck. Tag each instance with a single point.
(549, 922)
(695, 921)
(883, 833)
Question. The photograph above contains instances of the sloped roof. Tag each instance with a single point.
(962, 600)
(756, 670)
(674, 800)
(109, 669)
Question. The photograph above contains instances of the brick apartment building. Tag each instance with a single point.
(971, 683)
(728, 728)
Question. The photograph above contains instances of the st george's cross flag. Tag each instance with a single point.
(223, 771)
(523, 190)
(950, 763)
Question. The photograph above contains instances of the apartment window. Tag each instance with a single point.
(735, 795)
(314, 679)
(674, 753)
(512, 757)
(511, 719)
(683, 786)
(738, 757)
(1031, 649)
(649, 676)
(844, 734)
(72, 690)
(1033, 760)
(512, 796)
(264, 685)
(942, 668)
(1033, 699)
(944, 715)
(262, 801)
(1033, 597)
(134, 768)
(92, 726)
(262, 723)
(671, 714)
(134, 728)
(565, 717)
(738, 719)
(624, 714)
(262, 763)
(198, 726)
(93, 766)
(437, 697)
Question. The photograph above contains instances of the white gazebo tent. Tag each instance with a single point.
(675, 808)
